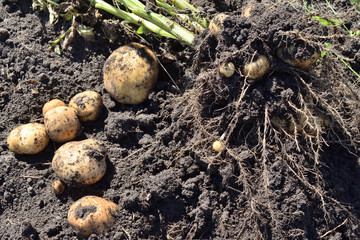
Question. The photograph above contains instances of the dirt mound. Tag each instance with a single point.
(288, 167)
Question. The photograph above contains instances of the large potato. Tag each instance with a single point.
(62, 124)
(29, 138)
(130, 73)
(88, 105)
(52, 104)
(290, 54)
(92, 214)
(81, 162)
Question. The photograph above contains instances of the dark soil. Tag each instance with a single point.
(269, 182)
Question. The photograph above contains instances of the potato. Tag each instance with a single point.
(80, 162)
(62, 124)
(256, 69)
(227, 69)
(88, 105)
(130, 73)
(217, 146)
(92, 214)
(216, 24)
(288, 55)
(52, 104)
(29, 138)
(58, 187)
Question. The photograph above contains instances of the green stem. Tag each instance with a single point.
(132, 18)
(161, 21)
(57, 41)
(182, 4)
(185, 18)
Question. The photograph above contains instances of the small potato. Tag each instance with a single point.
(92, 214)
(81, 162)
(62, 124)
(288, 55)
(227, 69)
(58, 187)
(52, 104)
(130, 73)
(216, 24)
(256, 69)
(88, 105)
(217, 146)
(29, 138)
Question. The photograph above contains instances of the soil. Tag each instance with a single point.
(289, 168)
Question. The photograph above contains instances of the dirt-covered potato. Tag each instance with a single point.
(227, 69)
(92, 214)
(62, 124)
(257, 68)
(298, 55)
(216, 24)
(58, 187)
(88, 105)
(80, 162)
(130, 73)
(29, 138)
(52, 104)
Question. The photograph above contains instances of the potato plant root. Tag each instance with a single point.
(289, 163)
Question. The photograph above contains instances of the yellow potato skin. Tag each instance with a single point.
(130, 72)
(62, 124)
(286, 54)
(216, 24)
(88, 105)
(80, 162)
(92, 214)
(52, 104)
(29, 138)
(256, 69)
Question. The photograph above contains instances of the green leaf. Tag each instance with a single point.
(57, 50)
(140, 30)
(86, 32)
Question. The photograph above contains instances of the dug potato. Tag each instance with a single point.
(80, 162)
(58, 187)
(62, 124)
(29, 138)
(257, 68)
(227, 69)
(52, 104)
(130, 72)
(289, 55)
(88, 105)
(216, 24)
(92, 214)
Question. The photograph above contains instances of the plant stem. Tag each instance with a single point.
(132, 18)
(161, 21)
(171, 10)
(182, 4)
